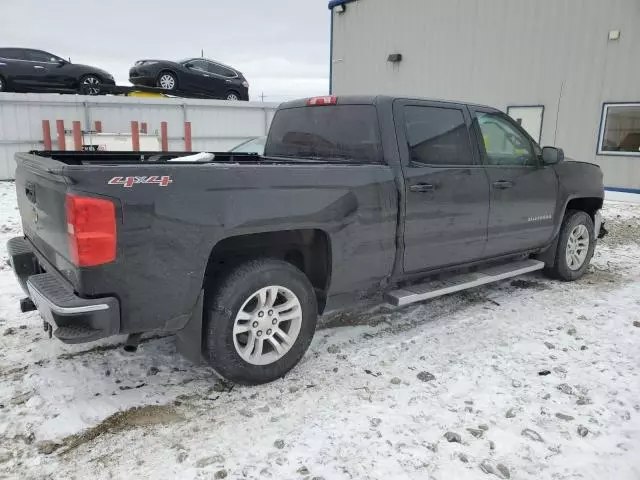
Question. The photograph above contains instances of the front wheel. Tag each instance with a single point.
(3, 85)
(167, 81)
(259, 321)
(576, 245)
(90, 85)
(233, 96)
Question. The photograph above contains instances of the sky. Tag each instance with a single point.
(282, 47)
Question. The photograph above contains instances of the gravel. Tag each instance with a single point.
(426, 377)
(453, 437)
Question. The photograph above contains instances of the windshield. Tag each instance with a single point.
(347, 133)
(255, 145)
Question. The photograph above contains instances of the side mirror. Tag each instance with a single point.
(188, 65)
(552, 155)
(60, 61)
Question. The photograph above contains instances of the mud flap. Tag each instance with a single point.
(549, 255)
(189, 339)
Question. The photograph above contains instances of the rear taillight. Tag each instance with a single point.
(318, 101)
(91, 227)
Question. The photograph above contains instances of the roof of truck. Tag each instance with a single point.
(375, 100)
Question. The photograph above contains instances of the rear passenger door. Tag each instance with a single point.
(446, 187)
(523, 191)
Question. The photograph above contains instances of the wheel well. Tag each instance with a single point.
(589, 205)
(233, 90)
(308, 250)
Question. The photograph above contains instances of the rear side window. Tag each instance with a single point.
(12, 54)
(336, 132)
(220, 70)
(437, 136)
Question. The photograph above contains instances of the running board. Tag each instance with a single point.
(437, 288)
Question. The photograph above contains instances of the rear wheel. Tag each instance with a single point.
(233, 96)
(576, 245)
(167, 81)
(260, 321)
(90, 85)
(3, 85)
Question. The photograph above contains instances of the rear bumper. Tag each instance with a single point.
(74, 319)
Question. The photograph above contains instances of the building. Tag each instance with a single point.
(568, 70)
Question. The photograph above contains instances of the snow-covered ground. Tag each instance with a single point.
(534, 379)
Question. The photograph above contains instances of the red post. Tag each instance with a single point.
(60, 129)
(98, 126)
(46, 134)
(143, 128)
(164, 137)
(187, 136)
(77, 136)
(135, 136)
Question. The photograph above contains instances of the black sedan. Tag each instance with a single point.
(193, 77)
(28, 70)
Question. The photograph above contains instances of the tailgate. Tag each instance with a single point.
(41, 191)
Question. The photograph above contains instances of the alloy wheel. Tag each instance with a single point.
(267, 325)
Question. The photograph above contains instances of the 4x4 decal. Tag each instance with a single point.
(129, 182)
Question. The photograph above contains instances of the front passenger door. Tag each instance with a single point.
(523, 191)
(446, 187)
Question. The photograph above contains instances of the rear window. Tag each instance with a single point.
(347, 133)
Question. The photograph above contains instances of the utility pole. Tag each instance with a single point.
(262, 97)
(202, 53)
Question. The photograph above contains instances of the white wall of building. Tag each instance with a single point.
(554, 53)
(216, 125)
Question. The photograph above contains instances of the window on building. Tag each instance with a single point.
(503, 143)
(620, 130)
(437, 136)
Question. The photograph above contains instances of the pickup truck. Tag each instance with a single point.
(355, 198)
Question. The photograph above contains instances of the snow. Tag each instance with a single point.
(359, 412)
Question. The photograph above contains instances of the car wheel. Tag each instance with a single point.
(233, 96)
(576, 245)
(259, 321)
(90, 85)
(3, 85)
(167, 81)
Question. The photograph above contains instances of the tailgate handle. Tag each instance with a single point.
(30, 191)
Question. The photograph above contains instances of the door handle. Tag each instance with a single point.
(39, 67)
(502, 184)
(422, 188)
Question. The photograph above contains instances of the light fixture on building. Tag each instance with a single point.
(614, 35)
(341, 8)
(394, 58)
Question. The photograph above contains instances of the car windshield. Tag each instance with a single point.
(255, 145)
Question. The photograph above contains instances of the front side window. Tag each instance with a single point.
(437, 136)
(346, 133)
(38, 56)
(621, 130)
(503, 143)
(196, 64)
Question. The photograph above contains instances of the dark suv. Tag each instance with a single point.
(27, 70)
(193, 77)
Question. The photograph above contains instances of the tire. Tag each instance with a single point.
(167, 81)
(90, 85)
(573, 223)
(235, 304)
(233, 96)
(3, 84)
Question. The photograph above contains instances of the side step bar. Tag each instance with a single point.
(425, 291)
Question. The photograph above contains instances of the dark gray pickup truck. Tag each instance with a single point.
(354, 198)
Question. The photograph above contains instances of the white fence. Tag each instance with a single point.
(215, 125)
